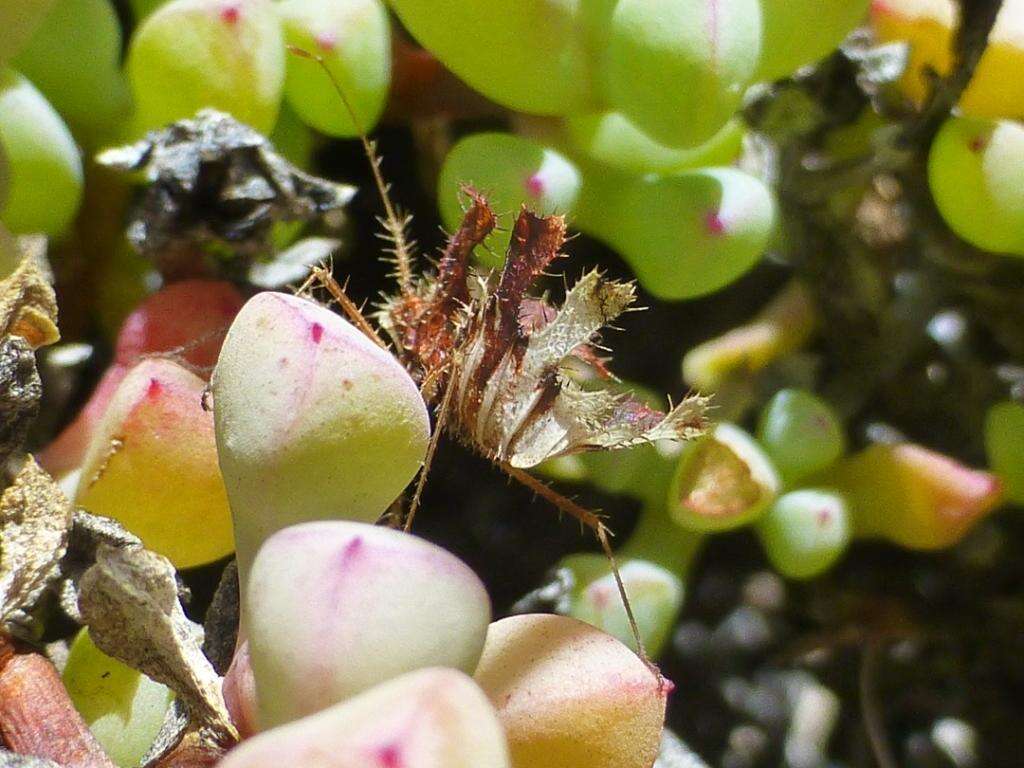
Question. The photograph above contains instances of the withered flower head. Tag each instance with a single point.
(497, 358)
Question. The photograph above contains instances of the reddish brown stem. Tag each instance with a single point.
(36, 715)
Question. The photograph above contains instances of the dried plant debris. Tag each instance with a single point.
(500, 356)
(214, 181)
(129, 599)
(88, 533)
(28, 305)
(35, 519)
(20, 393)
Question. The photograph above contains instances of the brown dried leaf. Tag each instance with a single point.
(28, 306)
(221, 623)
(88, 533)
(193, 749)
(35, 518)
(129, 599)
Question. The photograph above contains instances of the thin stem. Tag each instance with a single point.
(394, 223)
(977, 17)
(326, 279)
(592, 521)
(435, 438)
(870, 708)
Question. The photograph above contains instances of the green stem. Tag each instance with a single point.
(660, 540)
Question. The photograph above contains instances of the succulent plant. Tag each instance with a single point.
(432, 718)
(152, 465)
(334, 608)
(314, 420)
(570, 695)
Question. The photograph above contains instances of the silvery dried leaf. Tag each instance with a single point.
(20, 392)
(292, 264)
(88, 532)
(28, 305)
(129, 599)
(553, 596)
(213, 180)
(35, 518)
(14, 760)
(878, 65)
